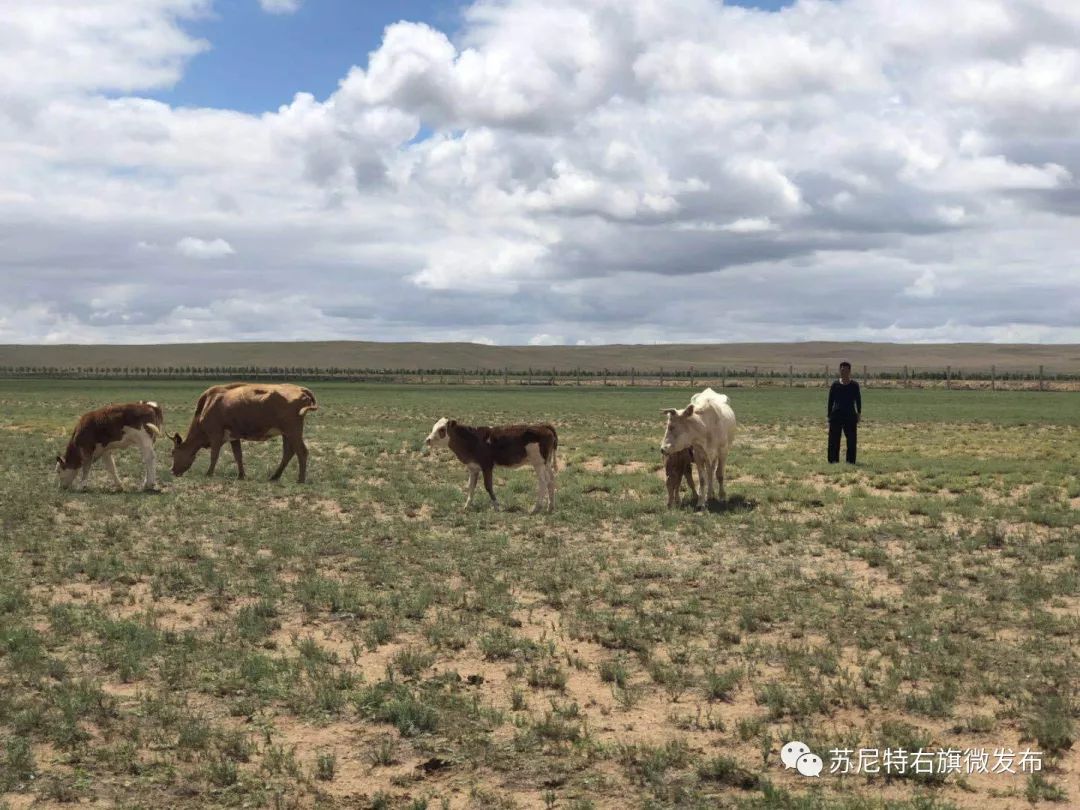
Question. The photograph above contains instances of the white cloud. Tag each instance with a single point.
(669, 160)
(280, 6)
(195, 248)
(749, 225)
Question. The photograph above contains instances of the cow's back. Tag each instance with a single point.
(252, 410)
(717, 414)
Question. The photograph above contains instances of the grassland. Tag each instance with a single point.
(809, 355)
(360, 641)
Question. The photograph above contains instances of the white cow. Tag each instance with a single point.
(707, 424)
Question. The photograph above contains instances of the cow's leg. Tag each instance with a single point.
(146, 450)
(215, 450)
(710, 472)
(474, 476)
(110, 467)
(690, 482)
(550, 469)
(701, 465)
(301, 457)
(536, 458)
(673, 487)
(84, 472)
(286, 457)
(720, 476)
(489, 486)
(238, 454)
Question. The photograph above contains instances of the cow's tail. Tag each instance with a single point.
(308, 399)
(554, 460)
(153, 427)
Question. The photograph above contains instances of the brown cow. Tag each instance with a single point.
(251, 412)
(99, 433)
(481, 449)
(677, 466)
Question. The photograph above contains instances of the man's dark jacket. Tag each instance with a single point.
(845, 401)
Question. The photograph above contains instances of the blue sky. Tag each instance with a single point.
(258, 61)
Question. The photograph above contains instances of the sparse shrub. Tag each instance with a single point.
(325, 767)
(411, 661)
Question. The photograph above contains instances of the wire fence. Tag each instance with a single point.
(762, 376)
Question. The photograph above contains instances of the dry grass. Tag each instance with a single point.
(362, 642)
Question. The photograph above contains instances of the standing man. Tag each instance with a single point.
(845, 410)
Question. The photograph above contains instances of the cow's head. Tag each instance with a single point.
(182, 456)
(440, 436)
(682, 430)
(66, 468)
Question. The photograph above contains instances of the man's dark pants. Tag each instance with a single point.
(850, 430)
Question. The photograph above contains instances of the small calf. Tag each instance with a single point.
(98, 433)
(677, 466)
(481, 449)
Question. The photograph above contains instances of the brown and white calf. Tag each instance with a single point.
(677, 466)
(481, 449)
(98, 434)
(252, 412)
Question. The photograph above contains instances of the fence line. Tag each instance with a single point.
(786, 375)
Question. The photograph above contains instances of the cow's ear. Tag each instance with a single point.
(177, 440)
(668, 411)
(451, 423)
(689, 410)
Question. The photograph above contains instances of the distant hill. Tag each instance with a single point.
(1064, 359)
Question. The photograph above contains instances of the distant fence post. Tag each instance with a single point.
(826, 374)
(993, 378)
(948, 377)
(661, 376)
(755, 376)
(790, 372)
(907, 380)
(723, 378)
(631, 376)
(605, 378)
(506, 376)
(1040, 378)
(577, 376)
(691, 376)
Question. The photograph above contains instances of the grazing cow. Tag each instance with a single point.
(98, 433)
(481, 449)
(251, 412)
(676, 467)
(707, 425)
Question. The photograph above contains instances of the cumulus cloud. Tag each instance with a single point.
(673, 170)
(195, 248)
